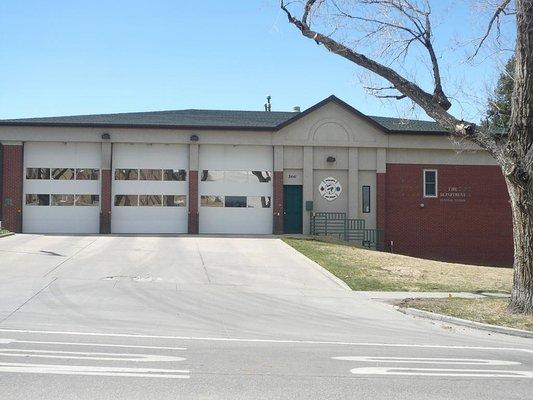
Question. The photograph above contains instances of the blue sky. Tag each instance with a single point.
(64, 57)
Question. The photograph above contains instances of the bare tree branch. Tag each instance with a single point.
(495, 19)
(435, 105)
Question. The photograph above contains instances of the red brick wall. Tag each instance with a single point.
(193, 203)
(105, 208)
(12, 181)
(473, 227)
(278, 202)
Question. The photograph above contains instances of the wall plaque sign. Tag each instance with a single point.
(330, 189)
(456, 194)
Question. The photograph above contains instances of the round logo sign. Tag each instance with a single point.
(330, 189)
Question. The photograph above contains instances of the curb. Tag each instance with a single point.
(465, 322)
(318, 267)
(6, 234)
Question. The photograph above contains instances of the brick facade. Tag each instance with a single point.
(469, 222)
(193, 203)
(105, 202)
(278, 202)
(12, 182)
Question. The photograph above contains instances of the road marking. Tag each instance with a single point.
(479, 373)
(94, 371)
(421, 360)
(76, 355)
(280, 341)
(128, 346)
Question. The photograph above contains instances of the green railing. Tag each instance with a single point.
(348, 229)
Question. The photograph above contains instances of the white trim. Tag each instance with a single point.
(436, 183)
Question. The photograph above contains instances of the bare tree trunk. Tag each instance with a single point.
(522, 204)
(518, 165)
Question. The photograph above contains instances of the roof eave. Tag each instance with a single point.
(136, 126)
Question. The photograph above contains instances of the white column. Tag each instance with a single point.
(308, 186)
(353, 182)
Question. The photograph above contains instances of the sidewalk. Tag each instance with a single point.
(388, 296)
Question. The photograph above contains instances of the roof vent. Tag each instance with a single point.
(268, 104)
(296, 109)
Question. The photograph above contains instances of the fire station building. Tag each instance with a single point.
(256, 172)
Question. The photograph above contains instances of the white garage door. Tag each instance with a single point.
(235, 189)
(150, 187)
(61, 187)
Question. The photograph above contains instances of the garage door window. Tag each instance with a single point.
(174, 200)
(212, 201)
(126, 174)
(87, 200)
(126, 200)
(37, 173)
(235, 201)
(151, 175)
(261, 176)
(87, 174)
(258, 201)
(62, 199)
(236, 176)
(63, 174)
(212, 176)
(174, 175)
(150, 200)
(38, 199)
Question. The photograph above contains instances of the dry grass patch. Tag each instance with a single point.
(364, 269)
(489, 310)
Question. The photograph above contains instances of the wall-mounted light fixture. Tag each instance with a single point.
(194, 138)
(330, 159)
(106, 136)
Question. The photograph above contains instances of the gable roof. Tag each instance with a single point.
(222, 119)
(216, 119)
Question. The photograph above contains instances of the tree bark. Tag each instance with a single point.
(522, 204)
(519, 155)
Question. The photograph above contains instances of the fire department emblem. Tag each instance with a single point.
(330, 189)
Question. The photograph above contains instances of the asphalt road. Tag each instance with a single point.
(223, 318)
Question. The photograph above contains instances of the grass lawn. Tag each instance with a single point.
(364, 269)
(489, 311)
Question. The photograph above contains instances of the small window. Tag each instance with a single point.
(236, 176)
(37, 173)
(259, 202)
(174, 200)
(212, 176)
(261, 176)
(150, 175)
(63, 174)
(212, 201)
(430, 183)
(366, 199)
(38, 199)
(150, 200)
(174, 175)
(62, 199)
(87, 174)
(126, 174)
(126, 200)
(87, 200)
(235, 201)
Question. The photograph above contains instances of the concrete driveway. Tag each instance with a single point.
(199, 284)
(99, 317)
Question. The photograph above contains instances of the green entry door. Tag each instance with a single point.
(292, 209)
